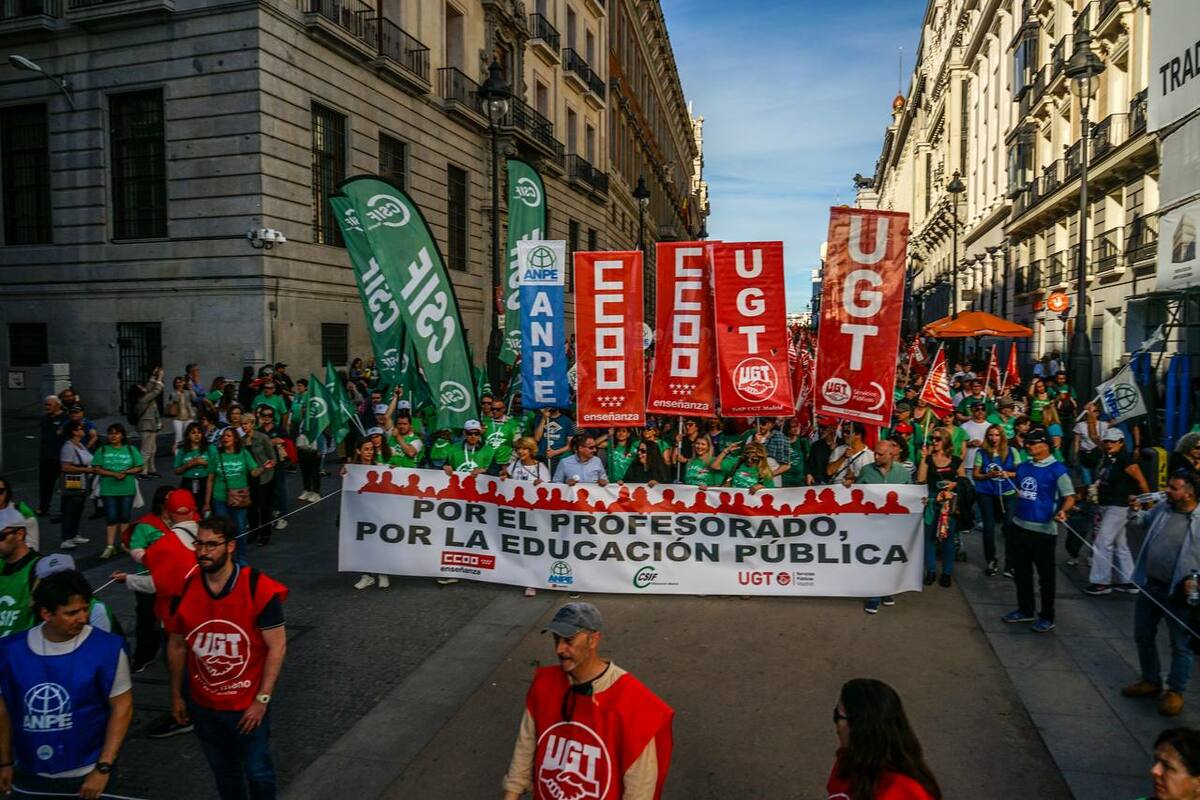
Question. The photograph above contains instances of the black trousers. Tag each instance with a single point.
(147, 637)
(262, 507)
(48, 470)
(310, 469)
(1031, 550)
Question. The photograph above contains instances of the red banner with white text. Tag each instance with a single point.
(610, 362)
(751, 327)
(684, 383)
(862, 302)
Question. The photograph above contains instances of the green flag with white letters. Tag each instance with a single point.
(375, 289)
(526, 220)
(316, 412)
(341, 410)
(400, 239)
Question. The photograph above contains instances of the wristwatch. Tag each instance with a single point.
(263, 698)
(104, 767)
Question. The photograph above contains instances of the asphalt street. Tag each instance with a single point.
(416, 691)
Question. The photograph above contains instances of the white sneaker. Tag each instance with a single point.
(79, 540)
(107, 553)
(384, 583)
(447, 581)
(314, 497)
(365, 581)
(530, 591)
(303, 498)
(280, 524)
(69, 544)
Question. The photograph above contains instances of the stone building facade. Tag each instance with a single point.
(126, 206)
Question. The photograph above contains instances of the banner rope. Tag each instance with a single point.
(31, 793)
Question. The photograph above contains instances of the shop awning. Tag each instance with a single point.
(976, 323)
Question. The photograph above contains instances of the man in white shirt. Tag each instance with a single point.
(851, 457)
(976, 430)
(582, 466)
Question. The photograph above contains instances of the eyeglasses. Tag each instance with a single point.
(838, 716)
(642, 451)
(203, 545)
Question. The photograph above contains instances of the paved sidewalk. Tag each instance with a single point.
(1070, 679)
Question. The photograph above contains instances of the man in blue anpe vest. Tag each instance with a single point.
(1045, 494)
(65, 697)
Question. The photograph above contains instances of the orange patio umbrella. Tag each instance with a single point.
(976, 323)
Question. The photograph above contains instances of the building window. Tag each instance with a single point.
(1025, 59)
(455, 23)
(328, 170)
(593, 240)
(572, 246)
(456, 217)
(27, 344)
(139, 165)
(1020, 160)
(25, 156)
(335, 343)
(392, 159)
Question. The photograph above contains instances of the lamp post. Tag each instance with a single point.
(23, 63)
(702, 234)
(495, 94)
(955, 188)
(642, 195)
(1083, 71)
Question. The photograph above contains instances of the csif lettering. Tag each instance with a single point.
(379, 298)
(384, 209)
(429, 303)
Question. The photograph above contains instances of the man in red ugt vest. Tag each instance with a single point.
(227, 631)
(591, 731)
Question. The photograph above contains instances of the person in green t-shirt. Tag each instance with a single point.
(229, 471)
(471, 456)
(795, 476)
(751, 471)
(17, 577)
(191, 462)
(699, 470)
(500, 431)
(116, 462)
(406, 445)
(621, 451)
(269, 397)
(1005, 416)
(1039, 398)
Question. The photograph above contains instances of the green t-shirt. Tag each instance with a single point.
(619, 459)
(277, 403)
(745, 476)
(964, 406)
(214, 396)
(795, 475)
(1009, 425)
(232, 471)
(16, 594)
(143, 536)
(117, 459)
(1036, 406)
(697, 473)
(399, 457)
(499, 436)
(184, 456)
(456, 455)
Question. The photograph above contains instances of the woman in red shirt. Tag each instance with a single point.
(878, 757)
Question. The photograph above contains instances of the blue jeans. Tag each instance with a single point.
(239, 517)
(117, 508)
(948, 547)
(1146, 616)
(236, 759)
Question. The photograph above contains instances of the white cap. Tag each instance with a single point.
(403, 405)
(375, 430)
(472, 425)
(11, 518)
(1113, 435)
(381, 408)
(55, 562)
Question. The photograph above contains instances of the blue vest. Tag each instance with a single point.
(1037, 491)
(994, 486)
(58, 705)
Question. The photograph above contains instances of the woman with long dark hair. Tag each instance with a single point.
(116, 463)
(191, 462)
(879, 756)
(648, 465)
(622, 449)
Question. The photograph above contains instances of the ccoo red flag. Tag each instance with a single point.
(1012, 375)
(683, 380)
(936, 391)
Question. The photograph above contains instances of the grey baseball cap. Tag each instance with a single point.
(11, 518)
(55, 562)
(575, 617)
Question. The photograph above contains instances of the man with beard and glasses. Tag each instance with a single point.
(227, 630)
(590, 729)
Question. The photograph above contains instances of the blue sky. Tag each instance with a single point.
(796, 96)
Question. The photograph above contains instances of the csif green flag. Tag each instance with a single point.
(317, 414)
(341, 410)
(526, 220)
(400, 239)
(375, 288)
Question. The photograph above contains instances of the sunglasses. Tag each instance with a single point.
(642, 451)
(474, 433)
(839, 716)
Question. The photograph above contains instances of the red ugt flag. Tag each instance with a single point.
(936, 391)
(992, 378)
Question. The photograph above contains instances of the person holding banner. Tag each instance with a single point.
(524, 465)
(405, 444)
(583, 466)
(852, 456)
(884, 469)
(500, 431)
(589, 705)
(471, 456)
(649, 466)
(699, 470)
(553, 432)
(940, 470)
(752, 471)
(622, 450)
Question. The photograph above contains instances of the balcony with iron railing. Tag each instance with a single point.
(544, 37)
(26, 16)
(1108, 248)
(1051, 178)
(576, 70)
(1141, 243)
(347, 24)
(402, 56)
(582, 174)
(460, 95)
(1109, 133)
(1073, 161)
(526, 122)
(1059, 56)
(1056, 268)
(88, 12)
(1137, 112)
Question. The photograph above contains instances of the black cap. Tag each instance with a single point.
(280, 365)
(1036, 436)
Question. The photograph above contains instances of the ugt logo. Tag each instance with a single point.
(574, 763)
(755, 379)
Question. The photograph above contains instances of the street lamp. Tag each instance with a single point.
(1083, 71)
(955, 188)
(495, 94)
(642, 195)
(24, 64)
(703, 232)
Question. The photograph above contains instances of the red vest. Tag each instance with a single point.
(891, 786)
(586, 757)
(226, 650)
(153, 520)
(169, 562)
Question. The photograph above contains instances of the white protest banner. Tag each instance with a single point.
(1120, 398)
(1174, 80)
(865, 541)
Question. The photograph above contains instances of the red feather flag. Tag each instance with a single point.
(993, 371)
(936, 391)
(1012, 375)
